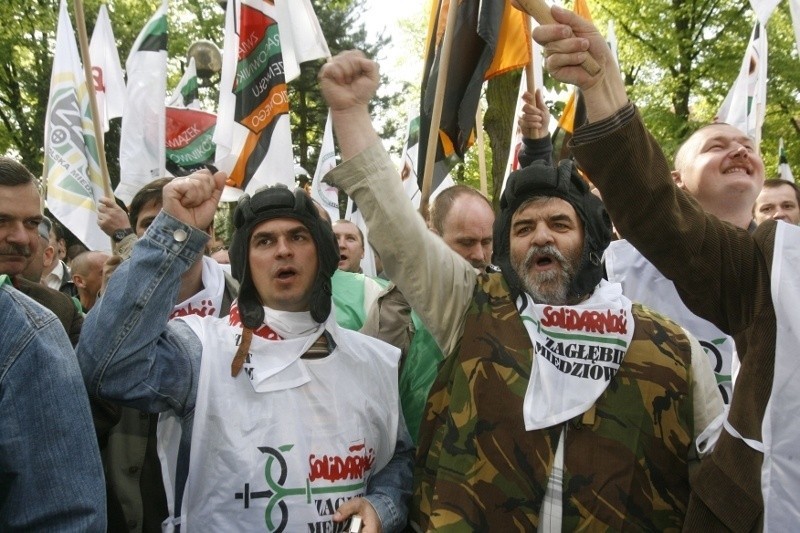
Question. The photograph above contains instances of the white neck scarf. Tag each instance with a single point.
(275, 365)
(577, 350)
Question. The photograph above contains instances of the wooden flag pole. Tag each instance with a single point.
(540, 11)
(438, 101)
(530, 84)
(481, 149)
(83, 40)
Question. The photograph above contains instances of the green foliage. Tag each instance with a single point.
(680, 58)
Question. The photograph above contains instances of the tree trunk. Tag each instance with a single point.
(501, 96)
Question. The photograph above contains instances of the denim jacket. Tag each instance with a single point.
(131, 353)
(50, 472)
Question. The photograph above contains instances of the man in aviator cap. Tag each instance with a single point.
(560, 405)
(289, 422)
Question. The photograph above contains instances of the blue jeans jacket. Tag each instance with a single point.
(50, 472)
(131, 353)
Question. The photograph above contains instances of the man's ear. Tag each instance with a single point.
(676, 177)
(48, 256)
(78, 280)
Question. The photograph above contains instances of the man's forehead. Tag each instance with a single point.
(780, 191)
(714, 132)
(467, 210)
(544, 207)
(21, 200)
(344, 226)
(282, 224)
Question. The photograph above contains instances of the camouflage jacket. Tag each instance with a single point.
(626, 459)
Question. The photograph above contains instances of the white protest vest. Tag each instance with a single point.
(643, 283)
(780, 471)
(207, 302)
(284, 460)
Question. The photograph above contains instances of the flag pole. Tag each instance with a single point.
(438, 100)
(530, 84)
(83, 41)
(540, 11)
(481, 148)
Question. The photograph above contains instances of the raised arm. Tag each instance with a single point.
(698, 252)
(437, 282)
(128, 351)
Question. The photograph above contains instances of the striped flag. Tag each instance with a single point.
(141, 149)
(489, 38)
(784, 170)
(253, 134)
(71, 162)
(745, 106)
(186, 93)
(109, 81)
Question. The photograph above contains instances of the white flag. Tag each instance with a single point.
(784, 170)
(71, 162)
(746, 104)
(794, 9)
(301, 35)
(326, 195)
(763, 9)
(109, 81)
(142, 147)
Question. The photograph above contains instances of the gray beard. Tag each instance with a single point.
(539, 285)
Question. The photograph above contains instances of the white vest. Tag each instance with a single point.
(780, 472)
(287, 458)
(643, 283)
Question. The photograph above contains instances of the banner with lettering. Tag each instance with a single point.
(189, 140)
(253, 135)
(71, 160)
(577, 350)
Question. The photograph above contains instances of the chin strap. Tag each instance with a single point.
(241, 353)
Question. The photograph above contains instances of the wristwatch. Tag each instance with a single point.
(120, 234)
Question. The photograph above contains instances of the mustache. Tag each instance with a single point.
(15, 249)
(550, 250)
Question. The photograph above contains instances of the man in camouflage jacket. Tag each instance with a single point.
(594, 428)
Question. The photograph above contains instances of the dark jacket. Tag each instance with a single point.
(722, 274)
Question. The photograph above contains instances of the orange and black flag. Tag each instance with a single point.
(252, 135)
(489, 38)
(574, 113)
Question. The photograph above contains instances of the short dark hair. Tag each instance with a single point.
(441, 205)
(149, 193)
(13, 173)
(775, 183)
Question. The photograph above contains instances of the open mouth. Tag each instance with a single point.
(542, 261)
(286, 273)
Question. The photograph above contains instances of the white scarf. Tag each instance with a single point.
(577, 350)
(274, 365)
